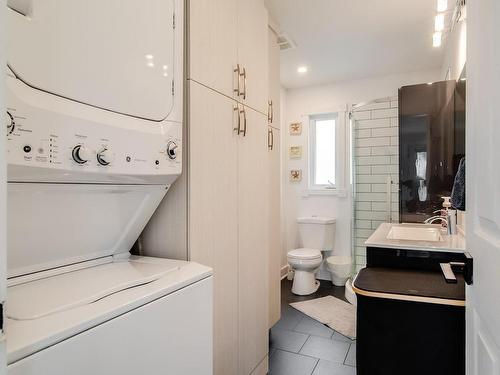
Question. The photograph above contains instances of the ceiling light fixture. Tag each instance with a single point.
(439, 22)
(302, 69)
(442, 5)
(436, 39)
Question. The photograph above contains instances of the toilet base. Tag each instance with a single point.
(339, 281)
(304, 283)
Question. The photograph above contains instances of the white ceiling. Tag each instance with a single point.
(341, 40)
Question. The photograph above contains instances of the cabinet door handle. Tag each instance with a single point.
(237, 70)
(270, 139)
(244, 76)
(237, 129)
(244, 113)
(270, 111)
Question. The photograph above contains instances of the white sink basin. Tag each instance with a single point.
(415, 234)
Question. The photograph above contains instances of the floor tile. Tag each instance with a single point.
(287, 340)
(313, 327)
(271, 351)
(331, 368)
(284, 363)
(339, 337)
(351, 356)
(289, 318)
(323, 348)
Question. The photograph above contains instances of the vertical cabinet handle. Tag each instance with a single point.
(237, 128)
(237, 70)
(270, 111)
(243, 74)
(270, 139)
(244, 113)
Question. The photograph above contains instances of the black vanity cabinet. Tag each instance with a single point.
(431, 144)
(409, 320)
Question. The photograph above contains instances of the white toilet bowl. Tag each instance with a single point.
(305, 263)
(340, 269)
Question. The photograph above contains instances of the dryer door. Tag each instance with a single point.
(115, 54)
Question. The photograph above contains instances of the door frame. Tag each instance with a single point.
(3, 188)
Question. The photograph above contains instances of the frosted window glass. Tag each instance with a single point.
(324, 158)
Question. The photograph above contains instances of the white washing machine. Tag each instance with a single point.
(94, 122)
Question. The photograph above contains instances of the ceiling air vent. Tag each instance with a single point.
(285, 42)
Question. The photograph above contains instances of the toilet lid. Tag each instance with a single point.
(304, 254)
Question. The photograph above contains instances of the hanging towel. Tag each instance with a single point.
(458, 192)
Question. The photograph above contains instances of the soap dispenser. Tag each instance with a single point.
(451, 216)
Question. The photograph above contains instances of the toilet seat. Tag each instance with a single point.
(304, 254)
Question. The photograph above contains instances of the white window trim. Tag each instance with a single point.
(341, 156)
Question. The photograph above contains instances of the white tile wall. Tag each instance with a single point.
(376, 157)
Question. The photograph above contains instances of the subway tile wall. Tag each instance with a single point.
(376, 159)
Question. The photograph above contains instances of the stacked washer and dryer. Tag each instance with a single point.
(94, 122)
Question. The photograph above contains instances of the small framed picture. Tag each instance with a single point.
(296, 128)
(295, 152)
(295, 175)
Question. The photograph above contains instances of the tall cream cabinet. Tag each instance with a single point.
(228, 226)
(228, 49)
(229, 187)
(274, 179)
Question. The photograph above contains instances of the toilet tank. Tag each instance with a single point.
(317, 232)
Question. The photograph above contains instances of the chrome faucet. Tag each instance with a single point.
(431, 220)
(450, 226)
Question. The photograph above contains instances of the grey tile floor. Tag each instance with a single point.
(300, 345)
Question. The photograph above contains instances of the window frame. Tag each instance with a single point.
(313, 118)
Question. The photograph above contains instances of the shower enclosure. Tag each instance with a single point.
(374, 170)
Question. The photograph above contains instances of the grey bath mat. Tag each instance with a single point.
(335, 313)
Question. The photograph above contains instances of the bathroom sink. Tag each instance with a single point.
(415, 234)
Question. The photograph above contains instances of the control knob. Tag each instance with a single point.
(105, 156)
(9, 121)
(81, 154)
(172, 150)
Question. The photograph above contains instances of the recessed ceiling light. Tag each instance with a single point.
(439, 22)
(442, 5)
(302, 69)
(436, 39)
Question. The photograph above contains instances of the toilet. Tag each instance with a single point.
(305, 263)
(340, 269)
(317, 234)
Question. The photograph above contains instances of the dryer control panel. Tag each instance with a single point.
(56, 140)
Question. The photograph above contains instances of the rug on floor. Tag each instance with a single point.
(335, 313)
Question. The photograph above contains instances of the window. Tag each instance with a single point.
(323, 151)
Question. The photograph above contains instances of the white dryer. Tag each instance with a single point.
(94, 122)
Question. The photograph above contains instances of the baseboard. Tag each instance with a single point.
(284, 271)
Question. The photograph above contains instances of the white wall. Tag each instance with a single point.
(320, 99)
(455, 51)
